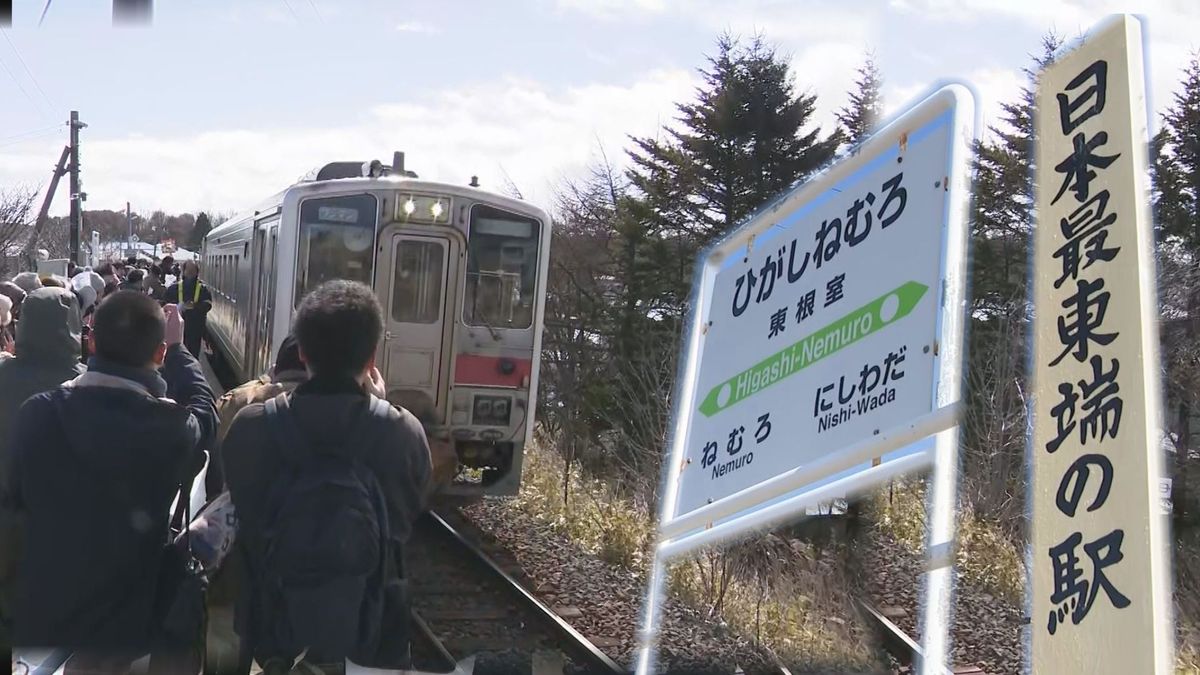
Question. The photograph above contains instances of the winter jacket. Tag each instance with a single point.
(47, 356)
(223, 588)
(96, 465)
(254, 391)
(327, 413)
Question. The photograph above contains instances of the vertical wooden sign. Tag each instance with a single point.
(1099, 558)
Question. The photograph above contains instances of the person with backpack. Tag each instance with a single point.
(327, 482)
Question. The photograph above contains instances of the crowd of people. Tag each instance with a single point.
(166, 282)
(107, 423)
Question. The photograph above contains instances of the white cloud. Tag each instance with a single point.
(827, 69)
(416, 27)
(534, 133)
(1172, 27)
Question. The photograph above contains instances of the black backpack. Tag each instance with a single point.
(325, 546)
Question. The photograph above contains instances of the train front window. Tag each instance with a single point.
(337, 241)
(417, 286)
(502, 251)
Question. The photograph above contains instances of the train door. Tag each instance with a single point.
(420, 284)
(258, 326)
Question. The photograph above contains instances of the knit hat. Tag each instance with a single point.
(28, 281)
(12, 292)
(5, 311)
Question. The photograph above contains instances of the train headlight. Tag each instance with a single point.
(416, 208)
(492, 411)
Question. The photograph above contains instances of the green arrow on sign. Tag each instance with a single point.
(871, 317)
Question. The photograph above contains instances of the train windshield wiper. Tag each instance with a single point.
(487, 324)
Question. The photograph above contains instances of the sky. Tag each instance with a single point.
(219, 104)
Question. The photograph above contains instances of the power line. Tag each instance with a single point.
(44, 10)
(313, 4)
(30, 139)
(27, 70)
(34, 132)
(289, 6)
(22, 88)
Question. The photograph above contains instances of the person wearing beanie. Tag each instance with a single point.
(28, 281)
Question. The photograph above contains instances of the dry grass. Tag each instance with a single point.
(801, 617)
(985, 556)
(800, 620)
(1186, 568)
(593, 515)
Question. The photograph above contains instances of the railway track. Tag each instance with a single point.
(471, 609)
(903, 648)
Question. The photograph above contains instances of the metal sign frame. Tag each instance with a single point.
(734, 515)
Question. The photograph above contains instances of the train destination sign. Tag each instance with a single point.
(816, 325)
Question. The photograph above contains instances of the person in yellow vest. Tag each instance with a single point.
(194, 300)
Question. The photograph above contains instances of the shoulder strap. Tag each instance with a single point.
(283, 429)
(378, 414)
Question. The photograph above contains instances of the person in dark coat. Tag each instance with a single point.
(94, 468)
(134, 281)
(338, 327)
(154, 283)
(47, 354)
(194, 298)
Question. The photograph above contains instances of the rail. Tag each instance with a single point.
(580, 647)
(902, 647)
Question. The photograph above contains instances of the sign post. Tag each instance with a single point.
(825, 341)
(1101, 599)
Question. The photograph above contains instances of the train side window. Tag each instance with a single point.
(502, 257)
(336, 241)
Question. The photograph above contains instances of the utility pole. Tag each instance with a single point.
(129, 224)
(77, 196)
(43, 215)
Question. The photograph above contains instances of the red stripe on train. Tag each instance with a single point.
(487, 370)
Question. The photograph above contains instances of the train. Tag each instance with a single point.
(460, 273)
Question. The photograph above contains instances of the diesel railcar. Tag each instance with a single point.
(460, 274)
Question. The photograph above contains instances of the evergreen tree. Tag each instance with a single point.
(199, 231)
(1003, 174)
(741, 143)
(994, 428)
(1176, 201)
(861, 116)
(1177, 164)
